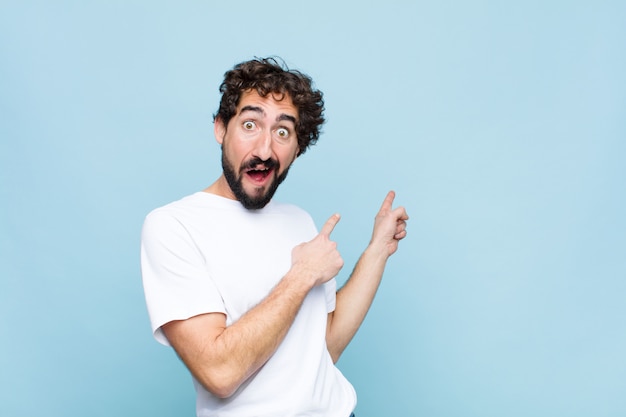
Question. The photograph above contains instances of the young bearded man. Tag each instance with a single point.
(242, 287)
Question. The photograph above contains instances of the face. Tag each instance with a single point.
(258, 147)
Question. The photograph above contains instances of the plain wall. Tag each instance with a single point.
(501, 126)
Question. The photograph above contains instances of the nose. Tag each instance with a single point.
(263, 146)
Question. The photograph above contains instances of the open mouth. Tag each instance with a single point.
(258, 170)
(259, 173)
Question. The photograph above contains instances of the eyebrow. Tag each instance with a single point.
(288, 117)
(259, 110)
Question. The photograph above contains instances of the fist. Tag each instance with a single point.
(389, 225)
(318, 260)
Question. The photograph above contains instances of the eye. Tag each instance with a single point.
(249, 125)
(282, 133)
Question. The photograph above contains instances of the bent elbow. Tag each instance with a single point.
(334, 347)
(222, 392)
(221, 386)
(334, 354)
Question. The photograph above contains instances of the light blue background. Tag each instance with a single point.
(501, 125)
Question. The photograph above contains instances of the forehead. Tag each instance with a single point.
(272, 105)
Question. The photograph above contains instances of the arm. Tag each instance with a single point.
(222, 357)
(356, 296)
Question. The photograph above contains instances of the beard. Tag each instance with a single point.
(252, 202)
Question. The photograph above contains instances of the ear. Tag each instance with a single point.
(219, 130)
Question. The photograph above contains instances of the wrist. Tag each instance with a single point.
(377, 250)
(300, 279)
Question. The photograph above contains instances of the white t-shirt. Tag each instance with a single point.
(205, 254)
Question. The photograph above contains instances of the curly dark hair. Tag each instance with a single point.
(267, 76)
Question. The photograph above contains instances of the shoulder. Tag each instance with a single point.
(293, 216)
(291, 210)
(197, 204)
(172, 215)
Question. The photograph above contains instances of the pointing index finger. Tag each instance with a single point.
(388, 202)
(330, 224)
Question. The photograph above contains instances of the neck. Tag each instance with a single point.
(220, 187)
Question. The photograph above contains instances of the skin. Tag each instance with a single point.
(222, 357)
(262, 128)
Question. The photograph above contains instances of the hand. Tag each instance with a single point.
(389, 225)
(319, 258)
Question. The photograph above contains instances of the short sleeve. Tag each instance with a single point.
(176, 280)
(330, 287)
(330, 290)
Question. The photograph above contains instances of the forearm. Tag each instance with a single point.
(354, 300)
(247, 344)
(224, 358)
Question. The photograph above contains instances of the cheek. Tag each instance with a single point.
(288, 157)
(294, 152)
(235, 152)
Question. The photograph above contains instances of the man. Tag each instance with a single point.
(243, 288)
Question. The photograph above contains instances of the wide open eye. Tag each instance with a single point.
(249, 125)
(282, 134)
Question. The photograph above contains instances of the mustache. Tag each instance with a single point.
(256, 161)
